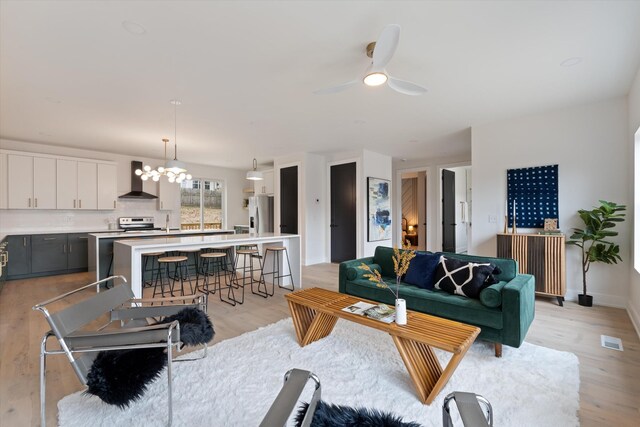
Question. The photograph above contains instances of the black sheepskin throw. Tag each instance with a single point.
(120, 377)
(195, 326)
(329, 415)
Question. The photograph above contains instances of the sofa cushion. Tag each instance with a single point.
(461, 277)
(383, 256)
(354, 273)
(491, 296)
(508, 266)
(422, 270)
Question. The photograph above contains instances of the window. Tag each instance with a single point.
(201, 204)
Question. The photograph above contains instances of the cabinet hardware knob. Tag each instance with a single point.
(24, 241)
(114, 204)
(64, 248)
(74, 203)
(70, 248)
(49, 238)
(80, 203)
(29, 202)
(36, 202)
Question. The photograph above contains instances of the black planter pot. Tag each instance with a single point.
(585, 300)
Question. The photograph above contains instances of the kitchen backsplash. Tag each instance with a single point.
(12, 221)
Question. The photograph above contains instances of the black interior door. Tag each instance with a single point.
(289, 200)
(343, 212)
(448, 211)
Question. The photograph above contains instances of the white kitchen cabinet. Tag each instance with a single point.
(265, 186)
(168, 194)
(77, 185)
(107, 186)
(44, 184)
(30, 182)
(3, 181)
(87, 185)
(66, 184)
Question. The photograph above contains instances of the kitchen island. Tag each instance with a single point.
(128, 253)
(100, 245)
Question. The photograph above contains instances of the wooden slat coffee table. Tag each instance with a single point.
(315, 312)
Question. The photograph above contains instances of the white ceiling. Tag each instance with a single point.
(245, 71)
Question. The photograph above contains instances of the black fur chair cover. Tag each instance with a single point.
(120, 377)
(329, 415)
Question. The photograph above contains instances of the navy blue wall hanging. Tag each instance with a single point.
(535, 191)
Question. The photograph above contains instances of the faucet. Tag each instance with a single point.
(167, 226)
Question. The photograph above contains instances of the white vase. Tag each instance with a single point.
(401, 312)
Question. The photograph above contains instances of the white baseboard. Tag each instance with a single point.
(599, 299)
(313, 261)
(635, 317)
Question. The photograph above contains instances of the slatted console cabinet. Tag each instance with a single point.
(542, 256)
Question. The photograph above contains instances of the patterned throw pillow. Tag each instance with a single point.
(461, 277)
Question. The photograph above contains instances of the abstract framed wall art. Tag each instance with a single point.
(378, 209)
(534, 194)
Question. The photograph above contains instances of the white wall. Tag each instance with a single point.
(633, 305)
(24, 220)
(590, 145)
(377, 166)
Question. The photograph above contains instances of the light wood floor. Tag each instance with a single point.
(610, 380)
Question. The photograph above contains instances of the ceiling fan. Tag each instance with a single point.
(380, 53)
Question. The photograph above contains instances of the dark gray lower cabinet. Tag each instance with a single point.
(78, 251)
(48, 253)
(19, 249)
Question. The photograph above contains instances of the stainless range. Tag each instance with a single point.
(127, 223)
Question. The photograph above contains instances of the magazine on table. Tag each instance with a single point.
(381, 312)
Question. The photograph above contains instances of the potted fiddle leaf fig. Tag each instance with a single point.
(593, 240)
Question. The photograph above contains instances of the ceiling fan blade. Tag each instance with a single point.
(386, 46)
(335, 89)
(405, 87)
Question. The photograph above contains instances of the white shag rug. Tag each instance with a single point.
(358, 366)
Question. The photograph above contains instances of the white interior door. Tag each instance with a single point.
(44, 183)
(20, 179)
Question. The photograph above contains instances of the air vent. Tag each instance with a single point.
(611, 342)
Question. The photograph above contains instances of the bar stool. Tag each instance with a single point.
(227, 250)
(153, 257)
(180, 263)
(194, 253)
(275, 272)
(247, 271)
(216, 261)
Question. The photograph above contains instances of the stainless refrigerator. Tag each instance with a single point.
(261, 214)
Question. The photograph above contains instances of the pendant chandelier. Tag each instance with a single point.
(174, 170)
(255, 174)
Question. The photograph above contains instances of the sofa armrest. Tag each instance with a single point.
(344, 268)
(518, 308)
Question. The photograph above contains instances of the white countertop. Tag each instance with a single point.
(236, 239)
(30, 231)
(159, 233)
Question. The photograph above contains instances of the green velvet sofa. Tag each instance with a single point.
(504, 311)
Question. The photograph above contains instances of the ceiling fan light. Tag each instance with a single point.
(375, 79)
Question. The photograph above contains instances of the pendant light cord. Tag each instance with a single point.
(175, 130)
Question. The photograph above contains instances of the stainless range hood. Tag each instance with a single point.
(136, 185)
